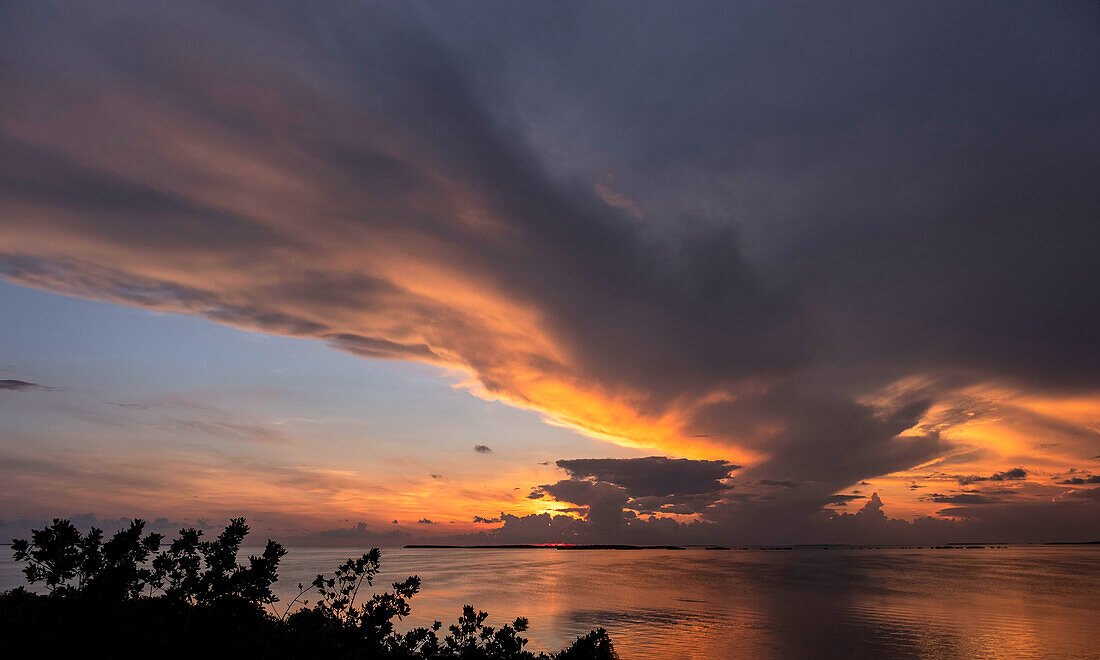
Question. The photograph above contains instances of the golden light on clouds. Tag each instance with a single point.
(886, 306)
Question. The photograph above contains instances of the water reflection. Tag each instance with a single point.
(1020, 602)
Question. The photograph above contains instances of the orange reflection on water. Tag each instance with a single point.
(1019, 602)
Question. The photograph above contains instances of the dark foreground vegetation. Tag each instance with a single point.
(126, 597)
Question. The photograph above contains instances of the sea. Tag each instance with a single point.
(804, 602)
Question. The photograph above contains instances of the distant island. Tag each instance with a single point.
(812, 546)
(547, 546)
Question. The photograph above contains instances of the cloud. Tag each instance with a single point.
(21, 386)
(653, 475)
(843, 500)
(200, 483)
(483, 449)
(231, 430)
(825, 263)
(1077, 481)
(425, 521)
(1071, 518)
(486, 521)
(609, 491)
(614, 199)
(1084, 494)
(604, 501)
(1015, 474)
(776, 482)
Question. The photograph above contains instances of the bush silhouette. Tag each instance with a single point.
(126, 597)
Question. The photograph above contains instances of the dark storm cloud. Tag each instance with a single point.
(676, 504)
(653, 475)
(604, 501)
(583, 492)
(612, 490)
(1077, 481)
(1085, 494)
(1073, 518)
(830, 201)
(823, 442)
(991, 132)
(483, 449)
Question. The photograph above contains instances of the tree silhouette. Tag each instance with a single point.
(59, 554)
(197, 590)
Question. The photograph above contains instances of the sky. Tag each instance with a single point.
(517, 272)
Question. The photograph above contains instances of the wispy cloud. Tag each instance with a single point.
(22, 386)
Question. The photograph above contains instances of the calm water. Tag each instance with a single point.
(1019, 602)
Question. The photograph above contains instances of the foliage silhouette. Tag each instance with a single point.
(195, 592)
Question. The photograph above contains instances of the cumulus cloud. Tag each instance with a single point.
(1071, 518)
(610, 491)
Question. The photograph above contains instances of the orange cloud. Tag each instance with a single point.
(381, 207)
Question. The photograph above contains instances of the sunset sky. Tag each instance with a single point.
(373, 273)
